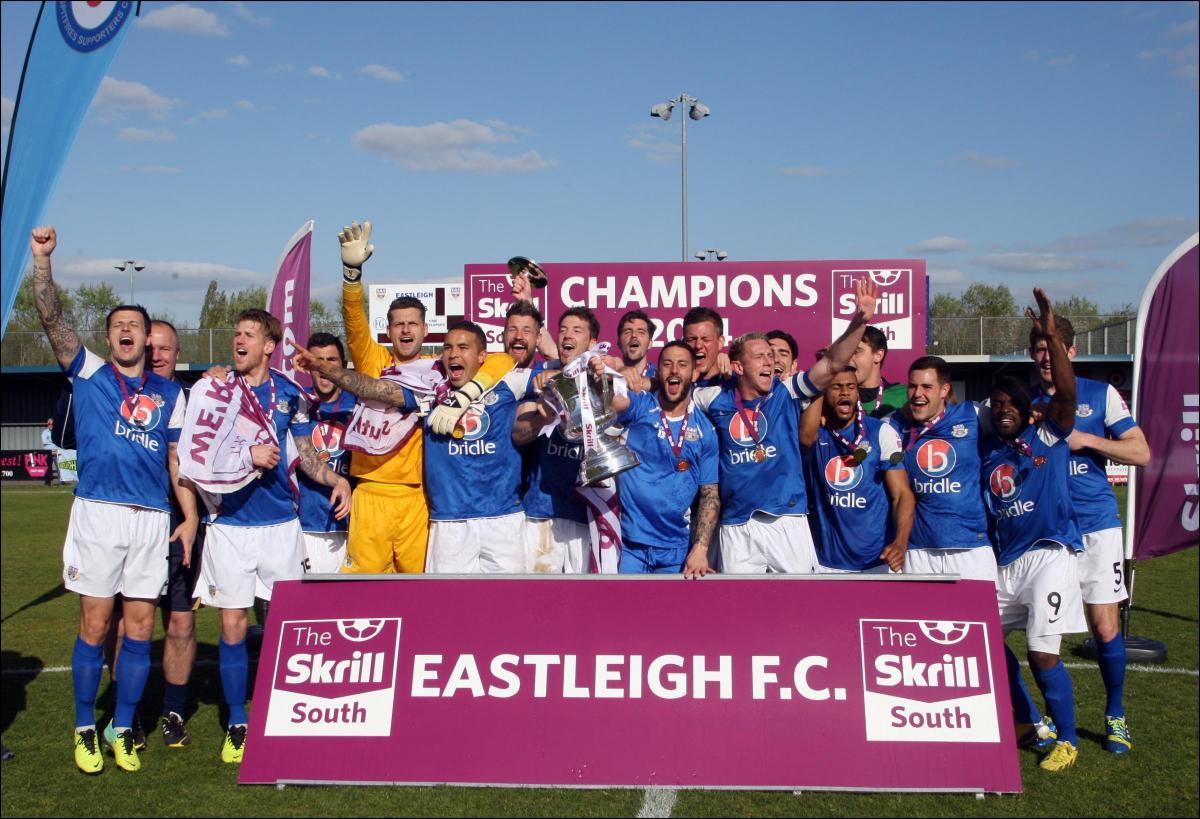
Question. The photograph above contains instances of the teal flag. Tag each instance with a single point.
(70, 50)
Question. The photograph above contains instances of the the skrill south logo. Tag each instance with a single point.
(893, 310)
(927, 681)
(335, 678)
(1005, 482)
(842, 474)
(936, 458)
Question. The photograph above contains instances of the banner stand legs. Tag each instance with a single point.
(1137, 649)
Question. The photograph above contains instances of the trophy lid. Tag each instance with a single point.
(522, 266)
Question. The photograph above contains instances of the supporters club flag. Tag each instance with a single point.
(289, 301)
(1165, 496)
(70, 50)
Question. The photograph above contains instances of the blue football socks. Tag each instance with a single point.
(1056, 688)
(87, 664)
(235, 666)
(1024, 708)
(132, 672)
(1111, 657)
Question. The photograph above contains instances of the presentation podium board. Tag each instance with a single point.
(851, 683)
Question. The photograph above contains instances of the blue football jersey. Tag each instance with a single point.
(479, 474)
(850, 500)
(268, 499)
(943, 470)
(327, 430)
(1028, 495)
(656, 495)
(122, 436)
(551, 477)
(1099, 410)
(774, 484)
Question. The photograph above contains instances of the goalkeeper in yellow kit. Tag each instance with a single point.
(389, 517)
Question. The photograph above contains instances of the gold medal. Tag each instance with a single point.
(860, 454)
(760, 454)
(681, 465)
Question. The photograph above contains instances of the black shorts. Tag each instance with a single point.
(181, 580)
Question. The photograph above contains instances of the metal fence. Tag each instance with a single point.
(1094, 335)
(1004, 335)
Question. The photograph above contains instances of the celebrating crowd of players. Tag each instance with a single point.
(747, 464)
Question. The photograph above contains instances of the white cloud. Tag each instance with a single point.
(212, 113)
(1152, 232)
(245, 105)
(945, 277)
(243, 11)
(165, 285)
(1185, 59)
(185, 19)
(116, 97)
(811, 171)
(6, 112)
(382, 72)
(1187, 28)
(240, 60)
(653, 142)
(145, 135)
(461, 145)
(1045, 263)
(318, 71)
(939, 244)
(984, 160)
(508, 128)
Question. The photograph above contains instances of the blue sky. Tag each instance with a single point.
(1051, 144)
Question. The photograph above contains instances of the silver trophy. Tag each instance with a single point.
(610, 457)
(522, 266)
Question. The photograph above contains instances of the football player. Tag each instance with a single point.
(785, 350)
(1104, 429)
(878, 397)
(522, 326)
(848, 457)
(704, 332)
(127, 425)
(635, 331)
(764, 504)
(323, 533)
(1026, 466)
(253, 537)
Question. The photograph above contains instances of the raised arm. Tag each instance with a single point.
(810, 422)
(840, 351)
(356, 383)
(1062, 405)
(63, 339)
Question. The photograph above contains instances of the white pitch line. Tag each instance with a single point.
(658, 802)
(63, 669)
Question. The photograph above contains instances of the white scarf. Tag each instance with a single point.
(378, 428)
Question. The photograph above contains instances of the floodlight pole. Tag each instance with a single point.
(692, 107)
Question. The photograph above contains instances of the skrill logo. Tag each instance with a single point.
(335, 678)
(927, 681)
(842, 474)
(936, 458)
(742, 433)
(1005, 482)
(893, 311)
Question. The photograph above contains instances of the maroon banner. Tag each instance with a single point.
(289, 301)
(1165, 495)
(812, 300)
(844, 683)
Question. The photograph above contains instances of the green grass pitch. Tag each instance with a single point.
(40, 620)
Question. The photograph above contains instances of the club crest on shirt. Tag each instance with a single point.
(1083, 410)
(959, 431)
(490, 399)
(281, 405)
(692, 434)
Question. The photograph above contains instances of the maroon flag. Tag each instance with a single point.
(289, 301)
(1164, 497)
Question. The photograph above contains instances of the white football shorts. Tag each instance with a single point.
(114, 549)
(1101, 567)
(476, 546)
(324, 552)
(556, 546)
(1039, 592)
(969, 564)
(243, 562)
(768, 544)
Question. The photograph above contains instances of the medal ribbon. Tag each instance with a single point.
(914, 434)
(130, 401)
(861, 428)
(750, 425)
(261, 415)
(676, 449)
(1020, 446)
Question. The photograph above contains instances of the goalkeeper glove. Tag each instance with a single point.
(445, 415)
(356, 249)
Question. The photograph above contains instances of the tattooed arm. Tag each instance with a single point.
(63, 340)
(709, 510)
(320, 472)
(352, 381)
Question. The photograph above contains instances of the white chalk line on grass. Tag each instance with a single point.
(658, 802)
